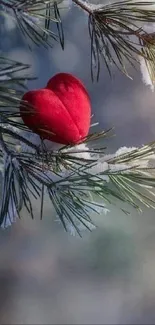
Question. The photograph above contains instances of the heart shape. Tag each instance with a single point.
(61, 111)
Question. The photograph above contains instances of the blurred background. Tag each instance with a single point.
(108, 276)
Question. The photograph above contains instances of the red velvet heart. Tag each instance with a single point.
(61, 111)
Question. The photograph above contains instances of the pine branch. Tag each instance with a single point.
(72, 180)
(112, 28)
(12, 87)
(78, 180)
(10, 82)
(34, 20)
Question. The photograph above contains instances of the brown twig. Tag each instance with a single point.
(83, 5)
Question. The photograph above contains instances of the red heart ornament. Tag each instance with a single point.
(61, 111)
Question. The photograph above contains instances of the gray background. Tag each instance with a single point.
(49, 277)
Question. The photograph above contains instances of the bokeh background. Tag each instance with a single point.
(108, 276)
